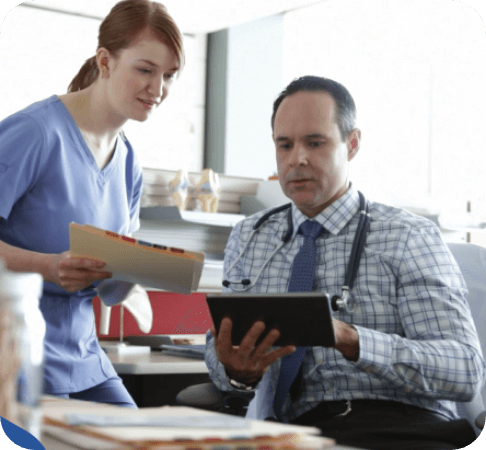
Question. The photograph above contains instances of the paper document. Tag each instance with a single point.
(255, 434)
(190, 351)
(158, 421)
(136, 261)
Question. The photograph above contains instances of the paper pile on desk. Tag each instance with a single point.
(219, 430)
(142, 420)
(136, 261)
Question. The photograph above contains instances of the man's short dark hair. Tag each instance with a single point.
(345, 106)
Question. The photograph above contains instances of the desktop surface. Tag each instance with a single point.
(156, 362)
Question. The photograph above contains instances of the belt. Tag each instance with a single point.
(334, 409)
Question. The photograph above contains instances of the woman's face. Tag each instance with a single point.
(140, 77)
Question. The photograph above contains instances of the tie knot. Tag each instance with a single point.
(311, 229)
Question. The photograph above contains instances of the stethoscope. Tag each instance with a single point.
(338, 303)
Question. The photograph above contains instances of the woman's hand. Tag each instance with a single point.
(246, 362)
(73, 274)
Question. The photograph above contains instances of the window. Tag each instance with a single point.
(41, 51)
(416, 70)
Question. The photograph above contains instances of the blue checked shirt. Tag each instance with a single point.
(418, 343)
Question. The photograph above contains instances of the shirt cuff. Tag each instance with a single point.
(375, 351)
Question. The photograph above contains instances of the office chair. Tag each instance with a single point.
(207, 396)
(472, 262)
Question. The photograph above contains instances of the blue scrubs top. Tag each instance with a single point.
(49, 178)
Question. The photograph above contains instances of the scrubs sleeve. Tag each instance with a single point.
(134, 188)
(21, 159)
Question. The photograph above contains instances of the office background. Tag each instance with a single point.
(415, 67)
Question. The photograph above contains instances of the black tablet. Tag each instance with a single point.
(303, 319)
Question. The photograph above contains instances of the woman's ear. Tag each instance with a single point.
(102, 58)
(353, 142)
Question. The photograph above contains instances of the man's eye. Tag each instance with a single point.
(316, 144)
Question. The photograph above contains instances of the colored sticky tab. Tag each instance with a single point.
(13, 437)
(147, 244)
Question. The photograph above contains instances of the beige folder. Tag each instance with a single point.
(170, 269)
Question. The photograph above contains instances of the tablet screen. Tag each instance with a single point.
(303, 319)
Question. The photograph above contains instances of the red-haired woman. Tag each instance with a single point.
(65, 159)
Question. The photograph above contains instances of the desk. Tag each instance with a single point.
(156, 362)
(155, 379)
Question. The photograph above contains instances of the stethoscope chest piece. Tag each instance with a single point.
(337, 303)
(342, 303)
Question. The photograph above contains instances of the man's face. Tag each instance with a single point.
(312, 160)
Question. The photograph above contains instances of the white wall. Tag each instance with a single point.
(416, 69)
(253, 82)
(41, 51)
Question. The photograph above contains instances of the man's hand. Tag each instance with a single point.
(246, 362)
(73, 274)
(347, 340)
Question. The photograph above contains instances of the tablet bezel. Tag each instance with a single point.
(304, 319)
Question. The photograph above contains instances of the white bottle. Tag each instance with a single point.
(22, 332)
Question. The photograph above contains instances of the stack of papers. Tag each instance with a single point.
(90, 425)
(189, 351)
(155, 341)
(136, 261)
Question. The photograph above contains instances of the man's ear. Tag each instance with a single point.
(353, 142)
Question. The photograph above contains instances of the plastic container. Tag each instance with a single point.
(22, 332)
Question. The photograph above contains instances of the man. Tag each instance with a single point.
(407, 352)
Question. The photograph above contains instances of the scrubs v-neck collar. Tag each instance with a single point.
(83, 146)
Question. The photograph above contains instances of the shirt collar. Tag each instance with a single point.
(335, 217)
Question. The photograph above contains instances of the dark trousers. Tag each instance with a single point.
(387, 425)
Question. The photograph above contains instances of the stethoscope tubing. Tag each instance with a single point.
(354, 259)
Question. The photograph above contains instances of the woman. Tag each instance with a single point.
(65, 159)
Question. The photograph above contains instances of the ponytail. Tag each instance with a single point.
(86, 75)
(127, 20)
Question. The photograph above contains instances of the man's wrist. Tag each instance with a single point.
(349, 345)
(242, 385)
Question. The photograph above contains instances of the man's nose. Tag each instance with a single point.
(298, 156)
